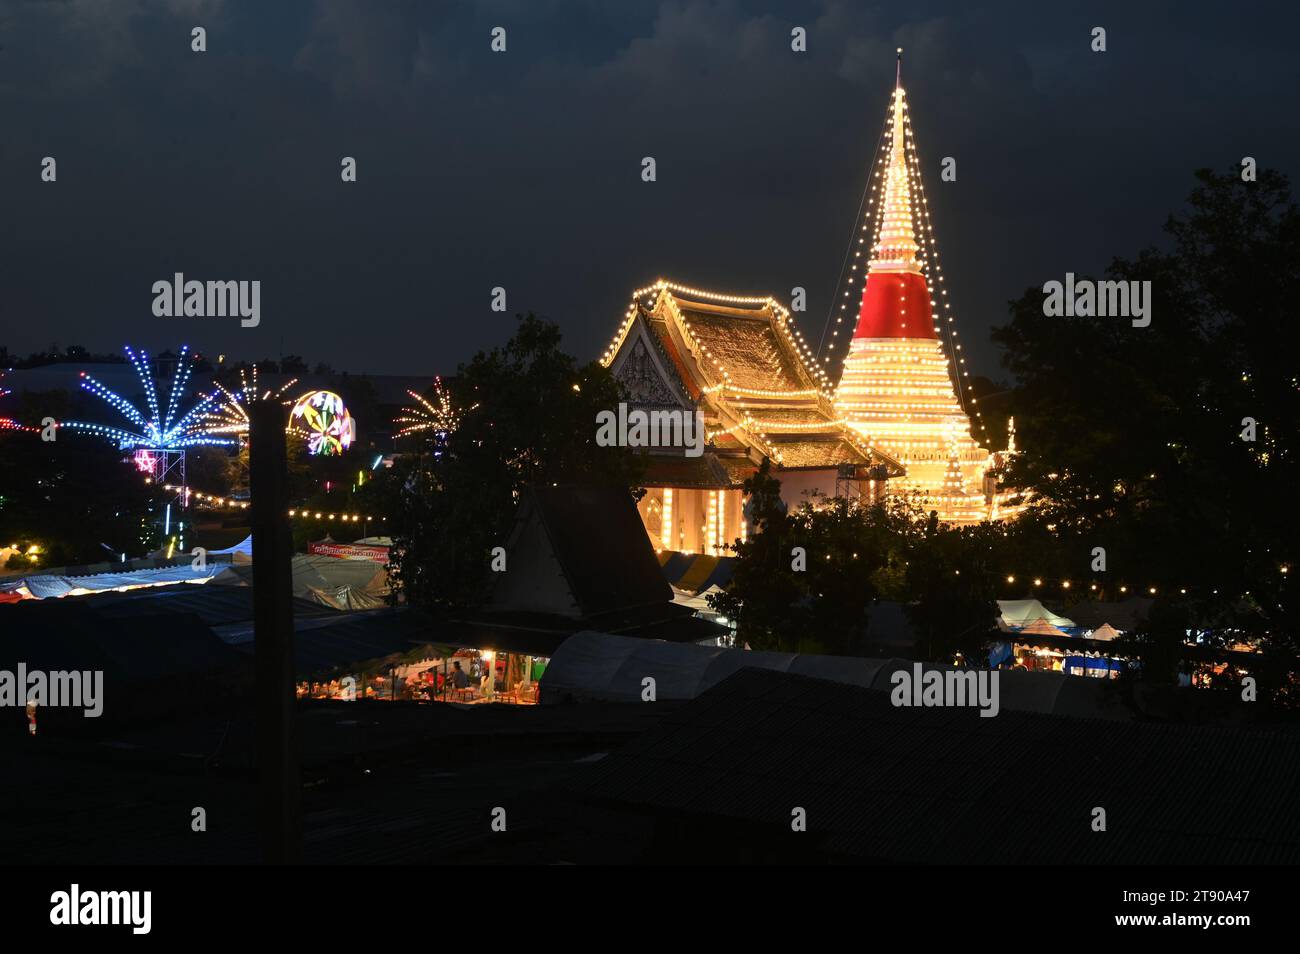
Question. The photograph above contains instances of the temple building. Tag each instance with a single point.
(899, 386)
(897, 422)
(742, 364)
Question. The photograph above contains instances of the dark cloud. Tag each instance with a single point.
(522, 169)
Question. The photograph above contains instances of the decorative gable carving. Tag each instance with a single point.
(643, 377)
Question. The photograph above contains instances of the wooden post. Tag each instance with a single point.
(274, 703)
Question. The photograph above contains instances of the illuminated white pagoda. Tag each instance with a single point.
(898, 383)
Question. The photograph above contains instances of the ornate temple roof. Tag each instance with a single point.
(805, 452)
(743, 364)
(749, 345)
(779, 418)
(706, 471)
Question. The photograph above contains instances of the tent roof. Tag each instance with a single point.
(1122, 614)
(601, 666)
(45, 586)
(214, 605)
(341, 584)
(1017, 613)
(181, 629)
(696, 572)
(244, 546)
(696, 601)
(541, 634)
(342, 642)
(1041, 627)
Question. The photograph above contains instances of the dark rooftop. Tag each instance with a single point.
(598, 539)
(916, 785)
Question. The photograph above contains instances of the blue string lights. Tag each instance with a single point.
(160, 431)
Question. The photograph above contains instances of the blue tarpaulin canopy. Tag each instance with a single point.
(1091, 664)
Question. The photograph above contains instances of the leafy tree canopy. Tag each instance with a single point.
(1132, 438)
(528, 415)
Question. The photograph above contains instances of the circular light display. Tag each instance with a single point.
(322, 416)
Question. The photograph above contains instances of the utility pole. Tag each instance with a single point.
(274, 706)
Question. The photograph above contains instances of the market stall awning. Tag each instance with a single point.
(696, 572)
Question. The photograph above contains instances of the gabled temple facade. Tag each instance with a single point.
(897, 386)
(741, 363)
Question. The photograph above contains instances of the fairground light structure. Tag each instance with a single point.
(431, 420)
(229, 414)
(901, 383)
(320, 417)
(159, 437)
(324, 420)
(8, 423)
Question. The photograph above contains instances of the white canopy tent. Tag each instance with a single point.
(1041, 627)
(601, 666)
(696, 601)
(241, 552)
(1017, 614)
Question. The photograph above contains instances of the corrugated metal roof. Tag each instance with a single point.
(214, 605)
(944, 785)
(344, 640)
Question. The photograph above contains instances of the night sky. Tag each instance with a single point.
(522, 169)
